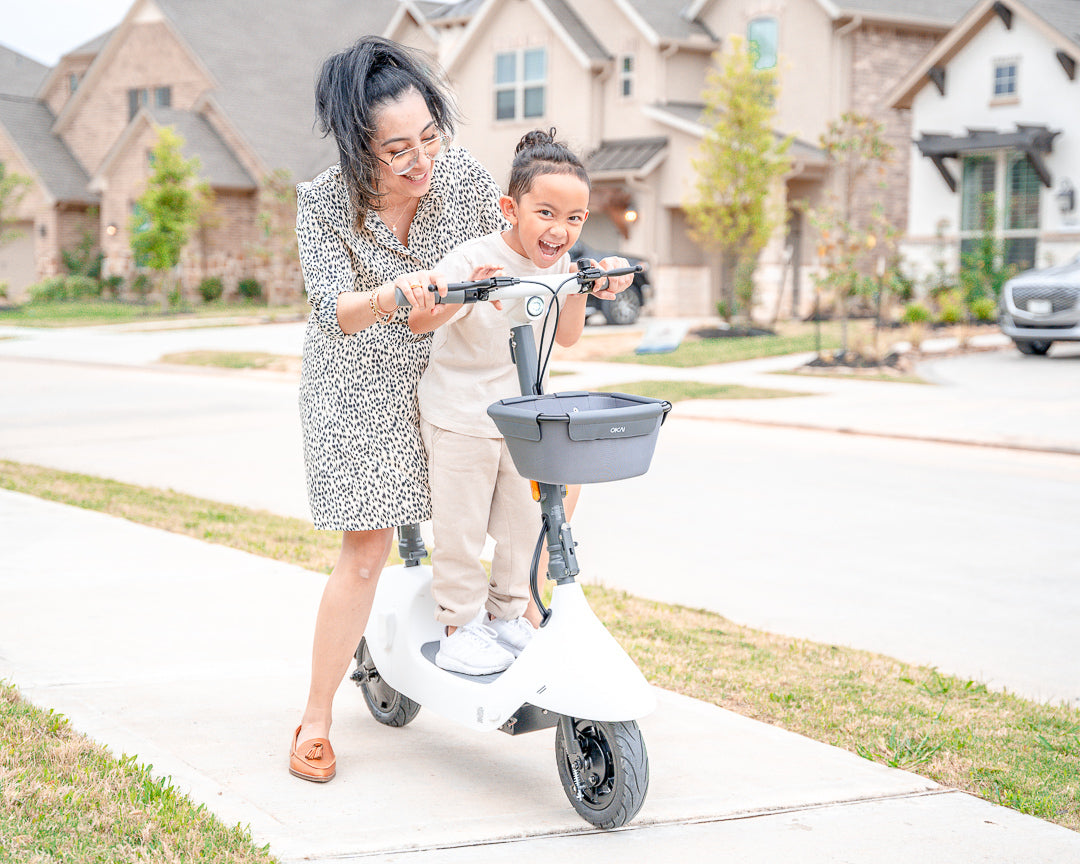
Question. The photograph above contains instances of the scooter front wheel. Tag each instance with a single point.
(384, 702)
(604, 771)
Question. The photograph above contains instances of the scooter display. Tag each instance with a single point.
(573, 675)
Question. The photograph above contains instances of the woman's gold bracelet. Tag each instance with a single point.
(377, 313)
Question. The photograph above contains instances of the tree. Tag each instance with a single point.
(855, 147)
(168, 211)
(740, 161)
(13, 188)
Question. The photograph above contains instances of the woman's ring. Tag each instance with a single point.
(415, 286)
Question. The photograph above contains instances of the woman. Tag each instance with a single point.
(397, 202)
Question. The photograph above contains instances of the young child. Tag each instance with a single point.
(475, 489)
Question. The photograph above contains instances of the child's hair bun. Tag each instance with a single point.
(536, 138)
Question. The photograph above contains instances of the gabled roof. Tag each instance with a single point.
(19, 75)
(564, 22)
(93, 46)
(218, 165)
(577, 29)
(665, 20)
(263, 57)
(28, 123)
(935, 14)
(452, 11)
(689, 117)
(1057, 20)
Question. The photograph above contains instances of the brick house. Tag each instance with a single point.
(235, 79)
(621, 79)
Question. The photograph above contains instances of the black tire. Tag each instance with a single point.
(624, 309)
(1033, 346)
(384, 702)
(615, 778)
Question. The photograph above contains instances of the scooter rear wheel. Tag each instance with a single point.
(384, 702)
(610, 784)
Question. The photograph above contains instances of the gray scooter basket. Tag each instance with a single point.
(580, 437)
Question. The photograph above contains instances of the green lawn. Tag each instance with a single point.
(82, 313)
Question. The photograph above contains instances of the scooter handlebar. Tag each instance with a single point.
(512, 288)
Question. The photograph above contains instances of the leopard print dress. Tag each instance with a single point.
(366, 466)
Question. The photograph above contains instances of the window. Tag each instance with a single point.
(1001, 191)
(1004, 79)
(139, 96)
(520, 84)
(626, 76)
(763, 37)
(73, 82)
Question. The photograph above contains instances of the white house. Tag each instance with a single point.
(994, 110)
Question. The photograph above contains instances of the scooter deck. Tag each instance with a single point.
(430, 649)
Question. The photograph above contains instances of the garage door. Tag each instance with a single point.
(17, 266)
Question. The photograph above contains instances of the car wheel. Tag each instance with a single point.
(624, 309)
(1034, 346)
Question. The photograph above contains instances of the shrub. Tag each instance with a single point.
(916, 313)
(250, 289)
(140, 285)
(3, 290)
(51, 290)
(211, 289)
(111, 285)
(950, 307)
(984, 309)
(80, 287)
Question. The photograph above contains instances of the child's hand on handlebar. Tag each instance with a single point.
(607, 289)
(414, 287)
(486, 271)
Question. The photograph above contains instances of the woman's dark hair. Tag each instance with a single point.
(538, 153)
(353, 86)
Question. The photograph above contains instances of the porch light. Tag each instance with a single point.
(1066, 197)
(111, 230)
(630, 215)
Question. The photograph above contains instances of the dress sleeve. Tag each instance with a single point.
(327, 266)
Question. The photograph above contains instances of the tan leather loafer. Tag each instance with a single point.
(312, 760)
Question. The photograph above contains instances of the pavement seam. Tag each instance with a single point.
(900, 436)
(639, 826)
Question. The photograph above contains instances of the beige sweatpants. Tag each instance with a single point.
(476, 491)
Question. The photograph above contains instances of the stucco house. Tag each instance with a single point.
(991, 111)
(622, 80)
(235, 79)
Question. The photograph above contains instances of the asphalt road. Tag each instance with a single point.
(967, 558)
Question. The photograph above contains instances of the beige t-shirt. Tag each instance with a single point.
(470, 364)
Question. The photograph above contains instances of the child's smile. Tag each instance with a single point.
(547, 220)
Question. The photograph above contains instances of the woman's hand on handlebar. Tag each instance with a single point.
(414, 287)
(615, 284)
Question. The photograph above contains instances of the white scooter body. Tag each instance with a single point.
(573, 666)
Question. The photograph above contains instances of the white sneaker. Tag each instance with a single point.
(513, 635)
(472, 650)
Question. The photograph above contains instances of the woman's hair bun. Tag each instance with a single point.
(536, 138)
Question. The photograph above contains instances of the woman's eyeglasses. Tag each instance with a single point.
(405, 161)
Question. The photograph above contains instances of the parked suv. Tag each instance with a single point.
(1040, 307)
(627, 305)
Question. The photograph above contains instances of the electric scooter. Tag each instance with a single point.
(573, 675)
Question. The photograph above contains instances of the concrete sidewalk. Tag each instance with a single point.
(193, 657)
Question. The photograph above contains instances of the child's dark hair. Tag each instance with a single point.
(353, 86)
(539, 153)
